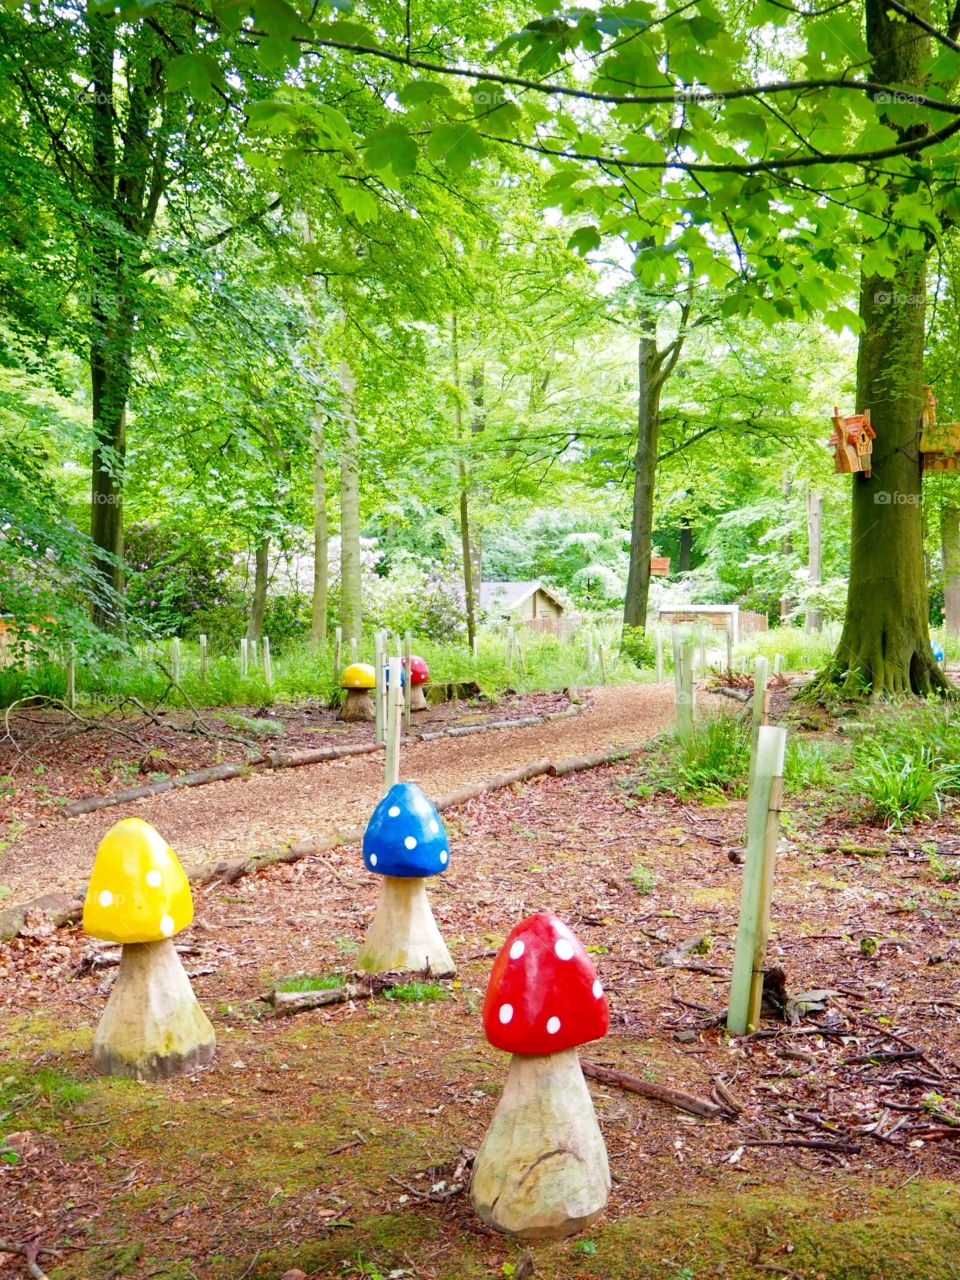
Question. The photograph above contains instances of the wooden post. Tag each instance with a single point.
(203, 657)
(760, 708)
(685, 713)
(763, 823)
(379, 686)
(408, 698)
(244, 656)
(777, 663)
(267, 664)
(337, 647)
(72, 677)
(394, 725)
(658, 649)
(509, 650)
(175, 659)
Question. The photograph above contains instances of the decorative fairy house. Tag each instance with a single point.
(939, 442)
(852, 442)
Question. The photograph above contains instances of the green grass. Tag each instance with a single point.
(643, 880)
(712, 762)
(409, 992)
(903, 788)
(311, 982)
(801, 650)
(813, 765)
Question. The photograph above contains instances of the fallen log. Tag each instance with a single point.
(287, 1002)
(658, 1092)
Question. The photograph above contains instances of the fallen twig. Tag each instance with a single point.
(658, 1092)
(812, 1144)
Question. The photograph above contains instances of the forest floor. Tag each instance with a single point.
(267, 809)
(338, 1141)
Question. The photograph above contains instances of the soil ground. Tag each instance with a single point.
(275, 807)
(338, 1141)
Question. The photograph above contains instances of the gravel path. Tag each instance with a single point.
(266, 810)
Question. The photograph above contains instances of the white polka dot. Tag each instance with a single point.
(444, 856)
(553, 1025)
(598, 989)
(517, 950)
(373, 859)
(153, 879)
(106, 897)
(434, 826)
(166, 926)
(506, 1013)
(394, 811)
(563, 949)
(410, 842)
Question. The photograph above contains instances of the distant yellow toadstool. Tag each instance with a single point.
(138, 895)
(358, 679)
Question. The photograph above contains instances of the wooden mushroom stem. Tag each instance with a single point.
(153, 1027)
(358, 705)
(541, 1172)
(418, 701)
(404, 935)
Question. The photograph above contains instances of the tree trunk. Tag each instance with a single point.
(813, 621)
(258, 605)
(351, 604)
(686, 546)
(885, 645)
(468, 554)
(950, 541)
(644, 480)
(321, 558)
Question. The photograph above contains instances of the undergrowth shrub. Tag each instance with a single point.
(904, 787)
(714, 760)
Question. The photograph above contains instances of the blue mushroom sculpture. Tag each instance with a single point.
(405, 843)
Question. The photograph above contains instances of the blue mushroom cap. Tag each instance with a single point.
(405, 836)
(386, 676)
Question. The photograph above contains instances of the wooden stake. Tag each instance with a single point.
(379, 688)
(658, 649)
(394, 725)
(72, 677)
(509, 650)
(337, 646)
(763, 824)
(267, 664)
(203, 657)
(175, 659)
(685, 716)
(760, 708)
(408, 698)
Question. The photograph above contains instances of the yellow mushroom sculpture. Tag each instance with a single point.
(358, 680)
(153, 1027)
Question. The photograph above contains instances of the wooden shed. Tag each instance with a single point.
(520, 602)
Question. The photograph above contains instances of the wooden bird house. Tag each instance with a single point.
(659, 566)
(939, 442)
(852, 442)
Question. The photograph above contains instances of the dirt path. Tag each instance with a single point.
(274, 808)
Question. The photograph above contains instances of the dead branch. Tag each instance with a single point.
(658, 1092)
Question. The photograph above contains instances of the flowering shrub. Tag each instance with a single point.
(174, 578)
(426, 600)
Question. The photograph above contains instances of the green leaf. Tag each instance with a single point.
(195, 72)
(584, 239)
(359, 202)
(456, 145)
(422, 91)
(391, 148)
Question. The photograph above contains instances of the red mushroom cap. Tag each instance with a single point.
(544, 994)
(419, 671)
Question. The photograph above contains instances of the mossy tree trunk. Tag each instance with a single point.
(885, 645)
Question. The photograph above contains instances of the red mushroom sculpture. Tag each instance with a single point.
(419, 675)
(541, 1172)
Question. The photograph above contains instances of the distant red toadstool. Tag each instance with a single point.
(419, 675)
(541, 1172)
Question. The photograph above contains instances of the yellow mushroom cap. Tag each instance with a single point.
(138, 891)
(359, 675)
